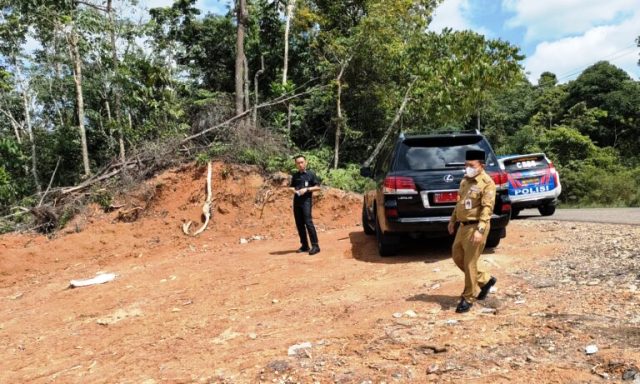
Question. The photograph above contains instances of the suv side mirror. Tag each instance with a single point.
(365, 171)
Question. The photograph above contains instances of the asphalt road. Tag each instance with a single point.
(591, 215)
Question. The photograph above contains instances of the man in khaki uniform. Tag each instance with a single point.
(476, 198)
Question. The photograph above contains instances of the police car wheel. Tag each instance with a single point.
(365, 222)
(547, 210)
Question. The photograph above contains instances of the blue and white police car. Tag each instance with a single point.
(533, 183)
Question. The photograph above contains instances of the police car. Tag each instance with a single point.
(533, 183)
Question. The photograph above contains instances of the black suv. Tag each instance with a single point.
(417, 179)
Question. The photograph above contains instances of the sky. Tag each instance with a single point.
(560, 36)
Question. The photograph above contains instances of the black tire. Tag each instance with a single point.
(365, 222)
(385, 248)
(493, 239)
(515, 212)
(547, 210)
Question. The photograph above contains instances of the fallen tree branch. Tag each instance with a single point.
(206, 208)
(50, 182)
(90, 182)
(391, 126)
(279, 100)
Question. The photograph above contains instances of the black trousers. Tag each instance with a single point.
(304, 223)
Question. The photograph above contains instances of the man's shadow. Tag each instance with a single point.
(285, 252)
(446, 302)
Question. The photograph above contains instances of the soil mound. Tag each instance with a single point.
(246, 204)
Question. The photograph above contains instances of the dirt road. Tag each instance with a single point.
(213, 310)
(629, 216)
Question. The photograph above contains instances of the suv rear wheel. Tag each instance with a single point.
(493, 239)
(365, 222)
(547, 210)
(385, 246)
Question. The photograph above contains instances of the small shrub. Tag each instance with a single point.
(202, 158)
(103, 198)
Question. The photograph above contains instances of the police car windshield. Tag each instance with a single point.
(439, 152)
(525, 162)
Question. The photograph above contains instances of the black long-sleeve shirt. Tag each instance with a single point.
(300, 180)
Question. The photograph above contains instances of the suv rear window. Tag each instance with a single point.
(525, 163)
(439, 152)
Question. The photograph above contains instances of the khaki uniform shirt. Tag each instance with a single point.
(476, 198)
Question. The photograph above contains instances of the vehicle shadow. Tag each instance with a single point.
(364, 248)
(446, 302)
(524, 217)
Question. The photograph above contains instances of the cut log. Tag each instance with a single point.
(206, 208)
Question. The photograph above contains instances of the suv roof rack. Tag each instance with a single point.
(404, 135)
(462, 131)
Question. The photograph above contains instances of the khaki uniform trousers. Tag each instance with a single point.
(465, 255)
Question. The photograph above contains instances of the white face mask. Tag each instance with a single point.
(470, 172)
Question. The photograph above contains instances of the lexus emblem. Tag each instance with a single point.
(448, 178)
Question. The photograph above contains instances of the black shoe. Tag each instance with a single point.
(315, 249)
(303, 249)
(484, 291)
(463, 306)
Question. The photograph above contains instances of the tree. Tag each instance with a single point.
(609, 88)
(13, 34)
(242, 16)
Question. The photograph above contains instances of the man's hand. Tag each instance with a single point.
(451, 228)
(477, 237)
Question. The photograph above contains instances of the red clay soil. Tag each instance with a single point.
(212, 309)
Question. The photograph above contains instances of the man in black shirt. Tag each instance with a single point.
(303, 184)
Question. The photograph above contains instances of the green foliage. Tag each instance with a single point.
(67, 215)
(585, 184)
(103, 198)
(203, 158)
(8, 190)
(565, 144)
(348, 179)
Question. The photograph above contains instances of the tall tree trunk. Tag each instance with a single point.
(254, 117)
(14, 124)
(247, 94)
(107, 106)
(339, 122)
(287, 27)
(116, 91)
(285, 65)
(391, 126)
(77, 77)
(242, 15)
(28, 125)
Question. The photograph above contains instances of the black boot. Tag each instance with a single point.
(484, 291)
(463, 306)
(303, 249)
(314, 249)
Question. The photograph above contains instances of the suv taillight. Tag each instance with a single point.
(399, 185)
(501, 179)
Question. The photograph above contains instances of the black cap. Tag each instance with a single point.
(475, 155)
